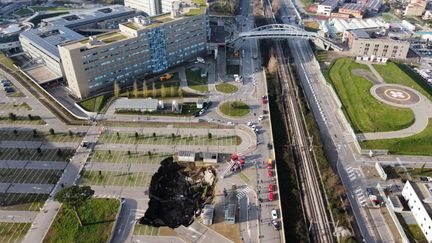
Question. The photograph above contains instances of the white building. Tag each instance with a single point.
(186, 156)
(419, 199)
(151, 7)
(326, 7)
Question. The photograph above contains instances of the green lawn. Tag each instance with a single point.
(39, 8)
(226, 88)
(419, 144)
(22, 120)
(234, 108)
(195, 81)
(98, 217)
(23, 12)
(142, 229)
(394, 73)
(363, 111)
(95, 104)
(7, 61)
(13, 232)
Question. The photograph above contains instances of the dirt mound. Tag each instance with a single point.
(176, 193)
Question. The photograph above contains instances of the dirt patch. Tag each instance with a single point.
(167, 231)
(370, 172)
(177, 193)
(366, 74)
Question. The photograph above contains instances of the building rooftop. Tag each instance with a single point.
(360, 33)
(49, 37)
(146, 104)
(424, 193)
(89, 16)
(330, 2)
(353, 6)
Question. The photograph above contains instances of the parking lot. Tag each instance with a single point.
(22, 201)
(13, 232)
(32, 176)
(123, 157)
(34, 155)
(127, 138)
(12, 106)
(29, 135)
(116, 178)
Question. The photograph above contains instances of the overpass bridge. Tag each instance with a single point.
(282, 31)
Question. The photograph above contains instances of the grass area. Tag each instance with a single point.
(140, 157)
(234, 108)
(233, 69)
(414, 172)
(98, 217)
(115, 178)
(36, 135)
(364, 112)
(419, 144)
(388, 17)
(33, 176)
(195, 81)
(22, 120)
(96, 104)
(13, 232)
(413, 231)
(6, 61)
(22, 201)
(313, 26)
(168, 139)
(142, 229)
(187, 109)
(395, 73)
(226, 88)
(23, 12)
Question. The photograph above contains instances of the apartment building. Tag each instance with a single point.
(151, 7)
(353, 10)
(376, 43)
(326, 7)
(143, 45)
(415, 8)
(419, 200)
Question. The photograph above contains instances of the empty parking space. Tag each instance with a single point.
(126, 157)
(12, 107)
(127, 138)
(31, 176)
(30, 135)
(22, 201)
(116, 178)
(35, 154)
(13, 232)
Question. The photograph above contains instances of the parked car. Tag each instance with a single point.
(275, 225)
(270, 187)
(9, 89)
(274, 214)
(271, 196)
(269, 174)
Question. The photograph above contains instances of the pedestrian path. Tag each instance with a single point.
(360, 196)
(351, 174)
(242, 193)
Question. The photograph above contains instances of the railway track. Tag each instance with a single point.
(315, 207)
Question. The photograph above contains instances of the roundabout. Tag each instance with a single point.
(395, 95)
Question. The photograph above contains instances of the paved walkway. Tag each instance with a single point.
(17, 216)
(422, 112)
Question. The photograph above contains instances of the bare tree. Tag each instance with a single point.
(273, 64)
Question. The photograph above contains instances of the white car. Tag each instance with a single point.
(249, 124)
(274, 214)
(253, 127)
(230, 123)
(260, 118)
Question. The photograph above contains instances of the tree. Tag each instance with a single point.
(74, 197)
(12, 116)
(118, 134)
(145, 92)
(163, 92)
(59, 152)
(273, 64)
(70, 133)
(422, 167)
(30, 117)
(116, 89)
(34, 132)
(39, 150)
(135, 89)
(154, 90)
(173, 91)
(15, 132)
(209, 135)
(136, 135)
(129, 153)
(51, 131)
(154, 134)
(180, 92)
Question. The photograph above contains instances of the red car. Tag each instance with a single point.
(270, 187)
(269, 167)
(269, 173)
(271, 196)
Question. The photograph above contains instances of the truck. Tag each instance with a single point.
(165, 77)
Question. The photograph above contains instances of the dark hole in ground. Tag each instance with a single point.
(177, 193)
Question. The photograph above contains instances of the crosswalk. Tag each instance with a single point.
(241, 193)
(351, 173)
(360, 196)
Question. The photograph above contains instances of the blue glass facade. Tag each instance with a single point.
(157, 43)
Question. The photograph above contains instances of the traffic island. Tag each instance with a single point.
(226, 88)
(234, 108)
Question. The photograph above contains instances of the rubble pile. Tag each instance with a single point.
(177, 193)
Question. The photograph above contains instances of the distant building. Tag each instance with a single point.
(230, 213)
(376, 43)
(371, 5)
(395, 203)
(141, 105)
(210, 158)
(186, 156)
(141, 46)
(207, 214)
(9, 37)
(415, 8)
(151, 7)
(353, 10)
(326, 7)
(419, 199)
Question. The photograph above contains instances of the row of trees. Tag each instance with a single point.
(145, 92)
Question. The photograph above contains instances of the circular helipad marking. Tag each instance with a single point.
(397, 94)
